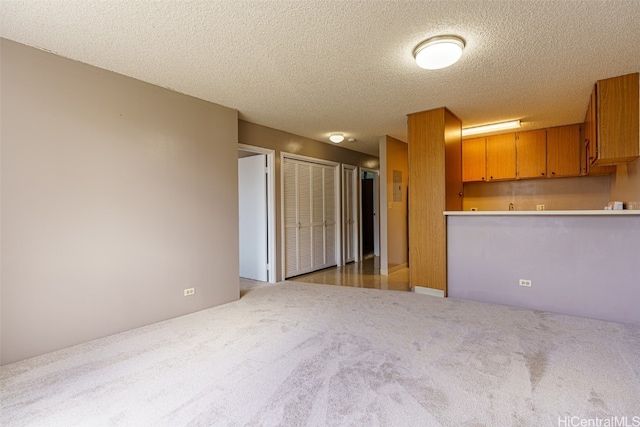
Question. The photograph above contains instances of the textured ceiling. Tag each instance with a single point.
(316, 67)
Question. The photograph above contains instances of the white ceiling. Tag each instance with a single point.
(316, 67)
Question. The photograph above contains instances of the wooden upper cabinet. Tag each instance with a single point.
(474, 160)
(589, 145)
(617, 120)
(585, 143)
(590, 134)
(563, 151)
(501, 156)
(531, 149)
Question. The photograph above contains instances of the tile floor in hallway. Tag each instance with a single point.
(364, 274)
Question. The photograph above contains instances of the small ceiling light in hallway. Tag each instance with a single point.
(438, 52)
(336, 137)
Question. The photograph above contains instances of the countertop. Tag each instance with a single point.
(543, 213)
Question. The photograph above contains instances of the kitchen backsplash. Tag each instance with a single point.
(577, 193)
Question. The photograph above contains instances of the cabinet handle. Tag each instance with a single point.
(491, 177)
(483, 178)
(553, 173)
(542, 173)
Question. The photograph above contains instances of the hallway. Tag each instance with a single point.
(364, 274)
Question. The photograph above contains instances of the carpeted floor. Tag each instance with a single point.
(304, 354)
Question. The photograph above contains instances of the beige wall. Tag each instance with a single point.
(283, 142)
(625, 183)
(116, 195)
(280, 141)
(590, 192)
(394, 247)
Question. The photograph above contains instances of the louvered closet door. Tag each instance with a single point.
(330, 216)
(305, 191)
(309, 217)
(290, 190)
(298, 191)
(317, 222)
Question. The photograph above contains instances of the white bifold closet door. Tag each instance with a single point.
(309, 216)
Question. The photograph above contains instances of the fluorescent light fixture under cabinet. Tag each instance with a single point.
(493, 127)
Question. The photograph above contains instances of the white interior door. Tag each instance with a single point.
(252, 208)
(349, 213)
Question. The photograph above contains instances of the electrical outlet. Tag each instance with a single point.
(524, 282)
(539, 207)
(189, 292)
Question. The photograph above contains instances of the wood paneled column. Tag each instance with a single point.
(435, 185)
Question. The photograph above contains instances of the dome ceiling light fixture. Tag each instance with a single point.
(438, 52)
(336, 137)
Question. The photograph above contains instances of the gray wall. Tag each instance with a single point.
(580, 265)
(116, 195)
(280, 141)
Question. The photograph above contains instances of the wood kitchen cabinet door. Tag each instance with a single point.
(474, 160)
(531, 150)
(589, 144)
(590, 132)
(617, 120)
(563, 151)
(501, 156)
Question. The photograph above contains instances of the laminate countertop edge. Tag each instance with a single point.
(544, 213)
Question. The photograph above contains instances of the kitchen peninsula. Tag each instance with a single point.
(578, 258)
(584, 262)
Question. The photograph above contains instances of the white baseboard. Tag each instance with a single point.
(428, 291)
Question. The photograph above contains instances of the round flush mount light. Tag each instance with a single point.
(336, 137)
(438, 52)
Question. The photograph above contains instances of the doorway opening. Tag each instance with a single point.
(369, 231)
(256, 213)
(365, 272)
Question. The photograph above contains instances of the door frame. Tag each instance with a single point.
(355, 214)
(337, 201)
(376, 209)
(271, 206)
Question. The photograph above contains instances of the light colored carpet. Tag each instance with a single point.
(305, 354)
